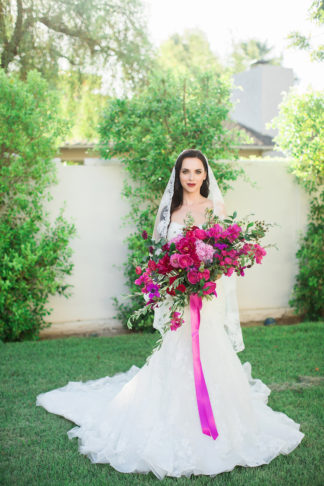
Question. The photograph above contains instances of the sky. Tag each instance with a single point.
(240, 20)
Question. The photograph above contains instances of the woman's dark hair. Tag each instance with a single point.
(177, 198)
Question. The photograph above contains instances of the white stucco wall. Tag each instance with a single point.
(93, 202)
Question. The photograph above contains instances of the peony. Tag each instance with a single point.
(193, 276)
(185, 261)
(200, 234)
(152, 265)
(163, 265)
(186, 245)
(174, 260)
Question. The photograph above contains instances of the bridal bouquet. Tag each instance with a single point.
(191, 263)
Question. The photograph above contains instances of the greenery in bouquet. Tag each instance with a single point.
(192, 262)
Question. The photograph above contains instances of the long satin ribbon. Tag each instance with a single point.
(207, 420)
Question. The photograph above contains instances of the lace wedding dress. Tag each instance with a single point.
(146, 419)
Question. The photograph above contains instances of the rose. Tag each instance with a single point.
(138, 270)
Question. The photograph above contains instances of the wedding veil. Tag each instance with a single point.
(162, 221)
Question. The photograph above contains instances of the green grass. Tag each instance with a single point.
(35, 449)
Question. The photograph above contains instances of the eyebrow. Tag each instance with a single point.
(188, 169)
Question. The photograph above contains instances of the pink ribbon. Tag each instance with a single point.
(207, 420)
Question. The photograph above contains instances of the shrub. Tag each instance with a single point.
(301, 136)
(34, 253)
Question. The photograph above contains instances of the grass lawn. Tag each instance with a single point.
(35, 449)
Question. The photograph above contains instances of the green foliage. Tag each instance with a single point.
(301, 135)
(147, 132)
(187, 52)
(303, 42)
(81, 103)
(244, 53)
(34, 254)
(308, 291)
(39, 35)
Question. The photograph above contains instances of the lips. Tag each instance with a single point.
(191, 185)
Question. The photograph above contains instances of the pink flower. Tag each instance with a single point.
(206, 274)
(200, 233)
(176, 321)
(138, 270)
(185, 261)
(209, 288)
(204, 251)
(174, 260)
(193, 276)
(229, 271)
(259, 253)
(215, 231)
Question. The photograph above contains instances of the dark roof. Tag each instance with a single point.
(258, 139)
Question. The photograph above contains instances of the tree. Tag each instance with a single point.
(315, 15)
(244, 53)
(39, 35)
(184, 53)
(147, 132)
(81, 103)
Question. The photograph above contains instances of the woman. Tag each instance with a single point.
(147, 419)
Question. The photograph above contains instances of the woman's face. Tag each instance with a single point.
(192, 174)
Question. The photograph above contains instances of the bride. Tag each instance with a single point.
(146, 419)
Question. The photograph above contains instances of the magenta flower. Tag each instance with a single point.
(193, 276)
(200, 233)
(153, 290)
(176, 321)
(209, 288)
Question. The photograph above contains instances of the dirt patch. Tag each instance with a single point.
(303, 382)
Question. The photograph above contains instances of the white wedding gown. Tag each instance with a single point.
(146, 419)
